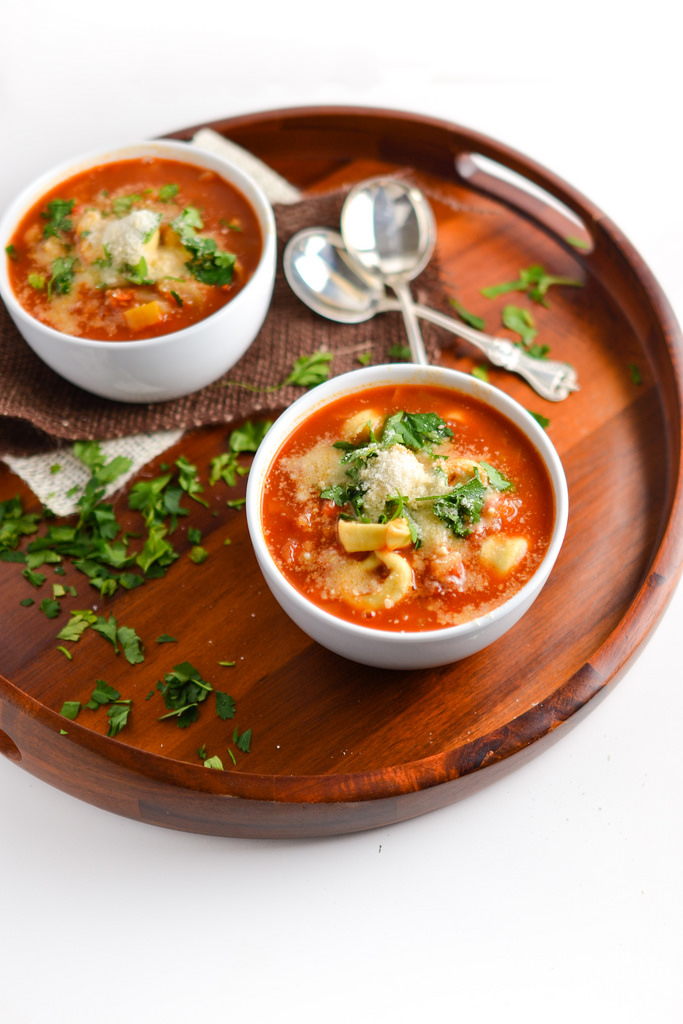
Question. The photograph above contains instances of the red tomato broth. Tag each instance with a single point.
(302, 533)
(99, 312)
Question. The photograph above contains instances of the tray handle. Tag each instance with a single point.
(537, 197)
(9, 748)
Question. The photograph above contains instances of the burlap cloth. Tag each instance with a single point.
(40, 411)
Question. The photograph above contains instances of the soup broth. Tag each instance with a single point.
(407, 508)
(134, 249)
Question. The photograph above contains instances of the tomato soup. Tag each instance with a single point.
(407, 508)
(134, 249)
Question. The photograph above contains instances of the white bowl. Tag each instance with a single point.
(166, 367)
(385, 648)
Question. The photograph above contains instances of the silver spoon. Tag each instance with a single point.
(388, 227)
(321, 273)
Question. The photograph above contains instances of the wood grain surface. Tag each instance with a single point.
(337, 747)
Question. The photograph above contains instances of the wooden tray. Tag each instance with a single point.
(337, 747)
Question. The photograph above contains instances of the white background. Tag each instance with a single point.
(554, 895)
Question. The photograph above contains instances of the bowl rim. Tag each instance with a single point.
(170, 149)
(372, 376)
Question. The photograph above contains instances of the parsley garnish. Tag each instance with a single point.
(137, 274)
(122, 205)
(535, 281)
(62, 276)
(496, 479)
(118, 710)
(418, 431)
(520, 320)
(183, 689)
(209, 264)
(225, 705)
(460, 508)
(167, 192)
(248, 437)
(310, 370)
(57, 217)
(400, 352)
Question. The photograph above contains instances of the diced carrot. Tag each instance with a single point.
(143, 316)
(121, 296)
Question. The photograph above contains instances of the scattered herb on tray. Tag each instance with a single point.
(534, 281)
(94, 544)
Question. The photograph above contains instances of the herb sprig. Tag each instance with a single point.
(208, 263)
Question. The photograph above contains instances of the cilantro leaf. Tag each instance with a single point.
(71, 709)
(57, 217)
(50, 608)
(415, 430)
(214, 762)
(208, 264)
(189, 480)
(515, 318)
(535, 281)
(131, 645)
(167, 192)
(183, 689)
(118, 714)
(77, 625)
(137, 274)
(225, 706)
(243, 741)
(248, 437)
(309, 370)
(226, 467)
(496, 479)
(62, 277)
(122, 205)
(102, 694)
(460, 508)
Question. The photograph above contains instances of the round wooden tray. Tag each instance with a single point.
(337, 747)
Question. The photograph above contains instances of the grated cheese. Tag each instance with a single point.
(396, 470)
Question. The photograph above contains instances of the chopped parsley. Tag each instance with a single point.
(460, 509)
(57, 217)
(183, 690)
(103, 695)
(137, 274)
(534, 281)
(122, 205)
(167, 193)
(208, 264)
(62, 277)
(520, 320)
(94, 544)
(417, 431)
(310, 370)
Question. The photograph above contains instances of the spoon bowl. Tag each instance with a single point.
(389, 229)
(323, 275)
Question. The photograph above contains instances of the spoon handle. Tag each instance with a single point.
(410, 311)
(550, 378)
